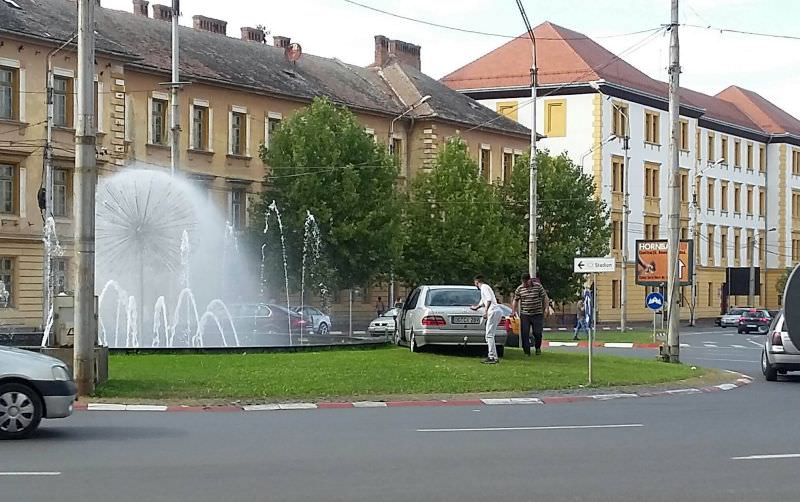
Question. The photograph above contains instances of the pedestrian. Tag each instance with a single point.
(380, 307)
(491, 316)
(531, 301)
(581, 321)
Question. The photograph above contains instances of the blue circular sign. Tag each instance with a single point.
(654, 301)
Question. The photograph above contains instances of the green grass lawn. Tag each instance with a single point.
(634, 336)
(354, 374)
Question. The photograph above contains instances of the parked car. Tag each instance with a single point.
(779, 355)
(383, 324)
(265, 318)
(731, 319)
(754, 320)
(441, 315)
(317, 322)
(32, 386)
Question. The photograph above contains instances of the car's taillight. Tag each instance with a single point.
(433, 320)
(776, 338)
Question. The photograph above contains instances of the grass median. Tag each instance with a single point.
(363, 374)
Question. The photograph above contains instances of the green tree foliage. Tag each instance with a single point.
(322, 161)
(455, 225)
(572, 220)
(780, 285)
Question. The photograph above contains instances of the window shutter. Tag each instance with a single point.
(23, 176)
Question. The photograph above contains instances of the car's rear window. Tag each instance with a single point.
(453, 297)
(756, 314)
(737, 312)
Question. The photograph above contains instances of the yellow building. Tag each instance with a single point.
(240, 89)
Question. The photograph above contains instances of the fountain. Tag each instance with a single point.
(274, 208)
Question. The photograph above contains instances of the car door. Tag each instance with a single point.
(407, 315)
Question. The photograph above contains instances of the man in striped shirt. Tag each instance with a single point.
(531, 301)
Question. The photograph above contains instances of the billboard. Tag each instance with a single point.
(651, 262)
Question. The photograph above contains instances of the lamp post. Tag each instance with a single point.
(390, 143)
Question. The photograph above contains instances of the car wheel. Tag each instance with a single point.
(770, 373)
(323, 329)
(412, 343)
(762, 330)
(20, 411)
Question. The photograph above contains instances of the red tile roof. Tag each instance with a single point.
(568, 57)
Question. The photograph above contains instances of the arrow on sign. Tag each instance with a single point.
(580, 265)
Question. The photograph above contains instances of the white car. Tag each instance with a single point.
(383, 325)
(779, 355)
(318, 321)
(731, 319)
(32, 386)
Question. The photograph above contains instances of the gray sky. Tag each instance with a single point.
(711, 60)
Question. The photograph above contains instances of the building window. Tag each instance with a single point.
(762, 202)
(710, 301)
(651, 184)
(9, 93)
(616, 291)
(723, 195)
(555, 118)
(750, 156)
(200, 123)
(59, 269)
(750, 200)
(684, 136)
(620, 120)
(62, 101)
(723, 243)
(684, 187)
(795, 204)
(616, 235)
(397, 147)
(796, 162)
(749, 252)
(61, 191)
(737, 153)
(710, 253)
(710, 146)
(8, 183)
(273, 123)
(762, 158)
(617, 174)
(651, 128)
(737, 243)
(762, 247)
(507, 108)
(237, 215)
(795, 248)
(158, 122)
(698, 153)
(737, 198)
(651, 228)
(724, 146)
(508, 166)
(697, 195)
(486, 164)
(684, 233)
(238, 133)
(6, 282)
(710, 194)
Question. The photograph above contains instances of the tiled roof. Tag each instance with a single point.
(568, 57)
(221, 60)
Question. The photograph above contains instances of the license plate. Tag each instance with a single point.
(751, 325)
(465, 320)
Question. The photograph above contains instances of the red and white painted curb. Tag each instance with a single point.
(741, 381)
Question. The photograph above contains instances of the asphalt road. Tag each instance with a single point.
(680, 448)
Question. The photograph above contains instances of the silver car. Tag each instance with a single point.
(32, 386)
(441, 315)
(383, 325)
(318, 321)
(779, 355)
(731, 319)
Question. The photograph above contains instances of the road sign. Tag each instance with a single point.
(791, 306)
(594, 265)
(651, 262)
(654, 301)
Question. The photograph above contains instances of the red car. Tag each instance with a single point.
(754, 320)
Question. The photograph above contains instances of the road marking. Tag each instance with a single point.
(684, 345)
(738, 346)
(720, 359)
(618, 345)
(562, 344)
(710, 346)
(768, 457)
(512, 400)
(756, 343)
(539, 428)
(41, 473)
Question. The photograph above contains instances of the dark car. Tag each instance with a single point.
(265, 318)
(754, 320)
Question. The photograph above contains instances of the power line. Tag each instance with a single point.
(741, 32)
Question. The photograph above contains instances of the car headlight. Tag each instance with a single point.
(61, 374)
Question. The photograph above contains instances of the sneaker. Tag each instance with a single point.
(538, 352)
(489, 360)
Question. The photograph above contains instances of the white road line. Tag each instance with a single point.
(756, 343)
(562, 344)
(768, 457)
(738, 346)
(41, 473)
(721, 359)
(710, 346)
(540, 428)
(618, 345)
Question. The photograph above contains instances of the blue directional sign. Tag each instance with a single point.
(654, 301)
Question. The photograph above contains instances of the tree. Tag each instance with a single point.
(322, 161)
(454, 224)
(572, 221)
(780, 285)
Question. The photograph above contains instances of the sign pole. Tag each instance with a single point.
(593, 330)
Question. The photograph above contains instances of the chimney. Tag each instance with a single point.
(162, 12)
(282, 42)
(404, 52)
(140, 7)
(210, 24)
(253, 35)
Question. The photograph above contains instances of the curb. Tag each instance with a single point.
(607, 345)
(741, 381)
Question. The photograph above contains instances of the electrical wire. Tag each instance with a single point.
(741, 32)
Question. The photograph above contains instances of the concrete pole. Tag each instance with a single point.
(175, 127)
(751, 293)
(533, 196)
(626, 209)
(673, 339)
(693, 233)
(47, 283)
(85, 182)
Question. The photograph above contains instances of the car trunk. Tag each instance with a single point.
(456, 318)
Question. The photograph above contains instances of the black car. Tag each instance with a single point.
(754, 320)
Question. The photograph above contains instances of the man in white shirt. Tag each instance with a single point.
(491, 316)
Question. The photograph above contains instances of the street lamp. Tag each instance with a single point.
(422, 100)
(752, 289)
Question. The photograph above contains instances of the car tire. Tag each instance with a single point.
(770, 372)
(412, 343)
(323, 329)
(26, 406)
(501, 350)
(762, 330)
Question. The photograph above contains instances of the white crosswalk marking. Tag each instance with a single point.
(738, 346)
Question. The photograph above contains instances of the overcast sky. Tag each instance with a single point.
(710, 60)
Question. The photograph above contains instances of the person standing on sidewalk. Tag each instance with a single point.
(581, 321)
(531, 301)
(491, 316)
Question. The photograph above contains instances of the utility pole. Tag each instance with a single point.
(85, 182)
(175, 127)
(751, 293)
(673, 291)
(626, 209)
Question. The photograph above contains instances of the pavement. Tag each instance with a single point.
(711, 446)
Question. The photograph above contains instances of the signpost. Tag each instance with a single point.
(655, 302)
(593, 266)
